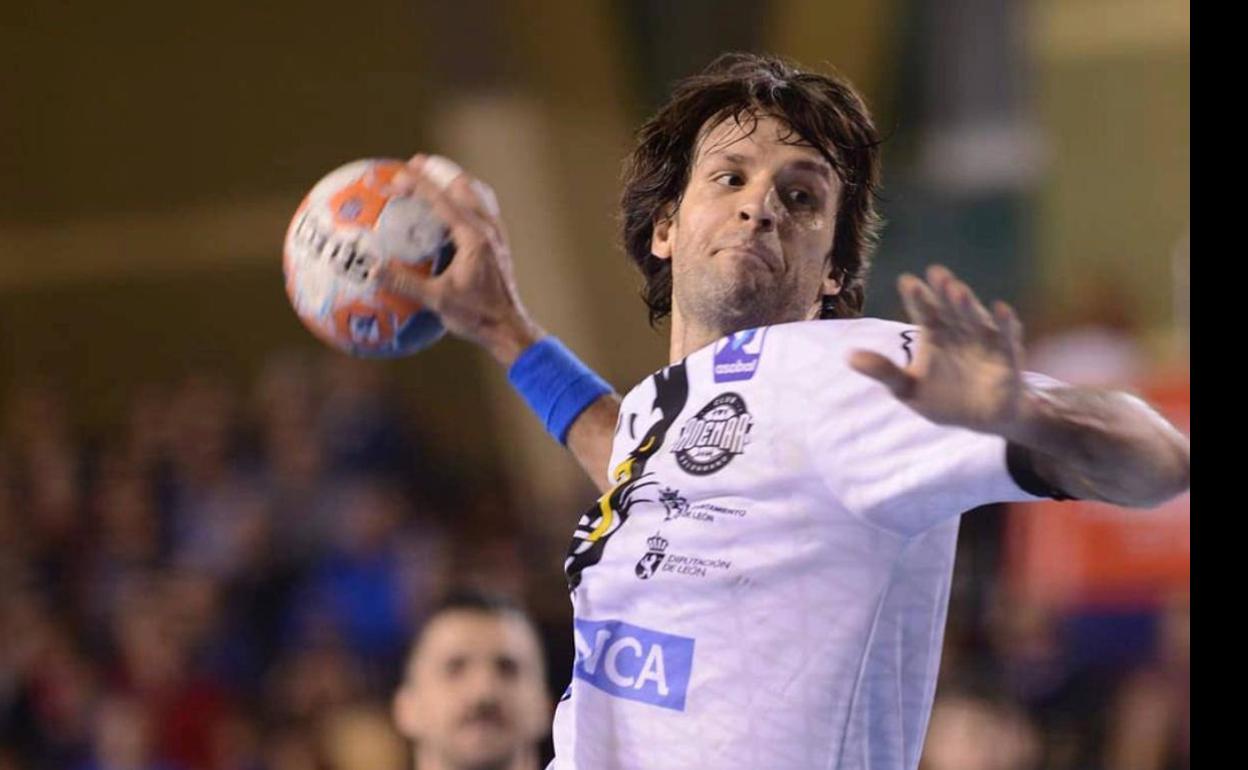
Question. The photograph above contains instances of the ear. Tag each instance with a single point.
(663, 237)
(405, 708)
(832, 282)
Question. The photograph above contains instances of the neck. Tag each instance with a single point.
(688, 335)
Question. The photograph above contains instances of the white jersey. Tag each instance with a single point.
(766, 585)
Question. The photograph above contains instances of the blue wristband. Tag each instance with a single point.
(555, 384)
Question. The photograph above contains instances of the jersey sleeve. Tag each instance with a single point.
(890, 466)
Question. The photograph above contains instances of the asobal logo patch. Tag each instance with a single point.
(632, 662)
(736, 356)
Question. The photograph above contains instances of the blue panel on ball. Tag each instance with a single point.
(420, 331)
(445, 254)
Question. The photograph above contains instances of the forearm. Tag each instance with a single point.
(510, 337)
(1102, 445)
(590, 435)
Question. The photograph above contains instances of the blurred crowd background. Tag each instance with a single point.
(216, 537)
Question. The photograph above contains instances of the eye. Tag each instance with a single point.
(729, 179)
(508, 668)
(454, 667)
(801, 198)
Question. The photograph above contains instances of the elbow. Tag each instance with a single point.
(1181, 478)
(1170, 478)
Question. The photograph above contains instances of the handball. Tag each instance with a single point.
(347, 228)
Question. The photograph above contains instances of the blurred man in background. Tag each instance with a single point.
(473, 694)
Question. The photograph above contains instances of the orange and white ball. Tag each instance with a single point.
(347, 227)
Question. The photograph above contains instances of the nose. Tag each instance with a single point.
(759, 210)
(483, 682)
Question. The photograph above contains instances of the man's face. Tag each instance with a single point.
(750, 241)
(474, 696)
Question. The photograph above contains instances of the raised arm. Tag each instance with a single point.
(476, 299)
(1077, 442)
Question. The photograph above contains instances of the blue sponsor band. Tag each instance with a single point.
(633, 662)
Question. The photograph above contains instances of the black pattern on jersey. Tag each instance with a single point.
(671, 392)
(908, 340)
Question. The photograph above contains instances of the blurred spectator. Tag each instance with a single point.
(1150, 723)
(363, 431)
(127, 531)
(155, 666)
(123, 738)
(290, 749)
(473, 693)
(44, 481)
(50, 682)
(313, 680)
(362, 738)
(969, 732)
(202, 438)
(371, 585)
(292, 452)
(1096, 343)
(1026, 640)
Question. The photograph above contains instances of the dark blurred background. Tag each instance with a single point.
(216, 536)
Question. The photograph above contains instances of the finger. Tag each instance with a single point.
(413, 179)
(474, 197)
(441, 171)
(968, 314)
(464, 223)
(921, 305)
(950, 293)
(410, 282)
(972, 311)
(474, 194)
(402, 181)
(433, 173)
(459, 185)
(939, 276)
(877, 367)
(468, 192)
(1011, 329)
(940, 279)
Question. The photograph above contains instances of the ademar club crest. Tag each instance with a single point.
(710, 439)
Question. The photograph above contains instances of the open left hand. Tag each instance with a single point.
(967, 370)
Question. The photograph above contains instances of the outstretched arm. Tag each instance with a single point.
(1082, 442)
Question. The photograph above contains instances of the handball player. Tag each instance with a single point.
(765, 579)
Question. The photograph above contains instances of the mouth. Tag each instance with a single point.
(485, 721)
(766, 256)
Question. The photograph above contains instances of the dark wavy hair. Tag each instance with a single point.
(821, 110)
